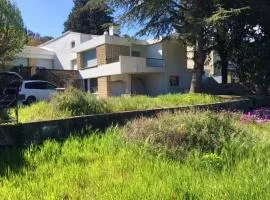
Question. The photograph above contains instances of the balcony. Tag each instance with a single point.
(125, 65)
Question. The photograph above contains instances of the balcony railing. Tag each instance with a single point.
(90, 63)
(112, 60)
(150, 62)
(155, 62)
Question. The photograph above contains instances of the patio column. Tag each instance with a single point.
(104, 87)
(128, 84)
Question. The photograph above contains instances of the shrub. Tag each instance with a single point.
(78, 103)
(193, 130)
(141, 102)
(212, 162)
(4, 115)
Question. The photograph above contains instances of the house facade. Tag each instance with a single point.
(110, 65)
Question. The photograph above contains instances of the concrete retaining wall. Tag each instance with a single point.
(37, 132)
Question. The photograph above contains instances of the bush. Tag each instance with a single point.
(78, 103)
(141, 102)
(73, 102)
(193, 130)
(4, 115)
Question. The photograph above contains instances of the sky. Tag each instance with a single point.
(48, 16)
(45, 16)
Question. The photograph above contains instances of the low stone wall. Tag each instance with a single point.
(37, 132)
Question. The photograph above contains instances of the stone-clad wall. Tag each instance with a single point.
(101, 55)
(104, 87)
(37, 132)
(110, 53)
(79, 61)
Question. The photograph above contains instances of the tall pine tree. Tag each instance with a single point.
(89, 16)
(188, 18)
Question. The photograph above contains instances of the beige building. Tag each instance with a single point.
(110, 65)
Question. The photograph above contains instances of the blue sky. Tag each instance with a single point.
(45, 16)
(48, 16)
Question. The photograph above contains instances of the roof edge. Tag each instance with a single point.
(63, 35)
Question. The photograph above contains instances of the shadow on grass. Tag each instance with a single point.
(11, 160)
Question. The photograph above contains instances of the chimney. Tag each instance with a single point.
(114, 30)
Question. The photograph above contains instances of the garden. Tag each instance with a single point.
(73, 102)
(187, 155)
(184, 155)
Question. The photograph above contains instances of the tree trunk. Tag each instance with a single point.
(196, 81)
(199, 60)
(224, 71)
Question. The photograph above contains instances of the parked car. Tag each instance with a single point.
(37, 90)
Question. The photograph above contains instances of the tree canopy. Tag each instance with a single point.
(12, 35)
(89, 16)
(35, 39)
(188, 20)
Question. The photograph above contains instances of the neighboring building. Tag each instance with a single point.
(211, 68)
(110, 65)
(34, 56)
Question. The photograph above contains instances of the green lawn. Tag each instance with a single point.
(117, 165)
(75, 103)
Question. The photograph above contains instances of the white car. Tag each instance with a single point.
(37, 90)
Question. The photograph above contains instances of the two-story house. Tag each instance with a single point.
(110, 65)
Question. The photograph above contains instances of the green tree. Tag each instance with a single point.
(188, 18)
(89, 16)
(229, 22)
(35, 39)
(252, 54)
(12, 34)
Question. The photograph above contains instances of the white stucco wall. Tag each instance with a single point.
(19, 61)
(63, 50)
(45, 63)
(175, 65)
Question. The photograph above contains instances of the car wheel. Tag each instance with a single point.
(31, 100)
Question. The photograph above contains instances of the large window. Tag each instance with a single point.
(90, 58)
(93, 85)
(39, 86)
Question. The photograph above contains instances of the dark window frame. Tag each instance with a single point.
(174, 81)
(73, 44)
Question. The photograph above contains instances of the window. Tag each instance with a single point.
(51, 86)
(72, 44)
(93, 85)
(36, 85)
(89, 58)
(136, 54)
(86, 85)
(174, 81)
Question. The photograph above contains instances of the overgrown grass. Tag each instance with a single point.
(74, 103)
(108, 166)
(163, 101)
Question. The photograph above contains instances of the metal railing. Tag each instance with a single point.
(155, 62)
(150, 62)
(90, 64)
(112, 60)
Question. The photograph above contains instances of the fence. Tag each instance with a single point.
(37, 132)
